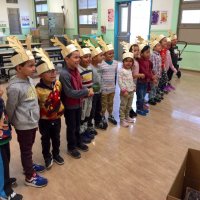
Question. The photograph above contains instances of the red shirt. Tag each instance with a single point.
(163, 54)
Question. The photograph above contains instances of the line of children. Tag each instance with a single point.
(23, 110)
(51, 109)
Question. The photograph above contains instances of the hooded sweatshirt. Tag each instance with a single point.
(22, 104)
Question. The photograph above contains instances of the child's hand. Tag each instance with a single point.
(125, 93)
(91, 92)
(141, 76)
(1, 133)
(1, 92)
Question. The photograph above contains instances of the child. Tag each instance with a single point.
(72, 94)
(127, 87)
(51, 109)
(154, 96)
(85, 71)
(169, 64)
(145, 67)
(109, 72)
(97, 58)
(164, 79)
(23, 110)
(136, 75)
(6, 190)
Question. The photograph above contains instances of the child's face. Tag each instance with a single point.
(168, 45)
(74, 60)
(157, 48)
(136, 51)
(174, 42)
(109, 55)
(146, 54)
(85, 60)
(163, 43)
(28, 69)
(1, 92)
(49, 76)
(128, 63)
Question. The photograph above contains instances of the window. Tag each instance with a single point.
(14, 21)
(189, 21)
(87, 14)
(11, 1)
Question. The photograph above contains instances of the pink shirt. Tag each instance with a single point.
(168, 62)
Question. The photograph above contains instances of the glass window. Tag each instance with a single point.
(41, 8)
(83, 19)
(190, 17)
(124, 19)
(92, 3)
(82, 4)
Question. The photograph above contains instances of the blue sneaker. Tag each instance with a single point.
(146, 111)
(85, 139)
(36, 181)
(141, 112)
(38, 168)
(88, 134)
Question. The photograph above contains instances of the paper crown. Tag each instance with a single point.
(169, 39)
(47, 65)
(153, 41)
(94, 51)
(28, 42)
(142, 43)
(105, 47)
(82, 51)
(172, 35)
(160, 37)
(65, 50)
(22, 55)
(126, 47)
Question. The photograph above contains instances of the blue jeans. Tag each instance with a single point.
(141, 90)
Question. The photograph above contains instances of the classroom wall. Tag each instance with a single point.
(26, 8)
(191, 54)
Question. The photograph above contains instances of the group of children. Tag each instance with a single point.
(84, 92)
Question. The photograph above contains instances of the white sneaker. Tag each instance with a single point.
(130, 120)
(124, 124)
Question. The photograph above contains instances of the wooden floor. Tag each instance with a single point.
(138, 163)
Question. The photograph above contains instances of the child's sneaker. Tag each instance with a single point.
(88, 134)
(141, 112)
(74, 153)
(15, 196)
(48, 163)
(171, 86)
(13, 181)
(105, 124)
(100, 125)
(83, 147)
(132, 113)
(124, 124)
(130, 120)
(112, 120)
(36, 181)
(152, 102)
(58, 159)
(85, 139)
(92, 130)
(38, 168)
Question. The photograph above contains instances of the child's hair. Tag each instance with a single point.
(147, 47)
(39, 62)
(132, 46)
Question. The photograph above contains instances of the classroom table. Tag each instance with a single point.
(6, 46)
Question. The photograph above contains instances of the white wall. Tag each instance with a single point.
(163, 5)
(54, 6)
(25, 7)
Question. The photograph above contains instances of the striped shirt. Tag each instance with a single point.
(86, 75)
(108, 78)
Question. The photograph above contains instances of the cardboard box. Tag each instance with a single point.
(188, 176)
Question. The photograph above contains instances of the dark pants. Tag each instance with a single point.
(96, 109)
(72, 120)
(50, 130)
(5, 154)
(26, 139)
(141, 90)
(170, 72)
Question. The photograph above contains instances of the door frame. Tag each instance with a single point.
(116, 24)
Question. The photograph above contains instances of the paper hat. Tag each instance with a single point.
(172, 35)
(47, 65)
(65, 50)
(28, 42)
(160, 37)
(126, 47)
(168, 39)
(94, 51)
(82, 51)
(142, 43)
(153, 41)
(105, 47)
(23, 55)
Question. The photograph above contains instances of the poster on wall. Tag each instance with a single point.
(163, 17)
(155, 17)
(25, 20)
(3, 24)
(110, 18)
